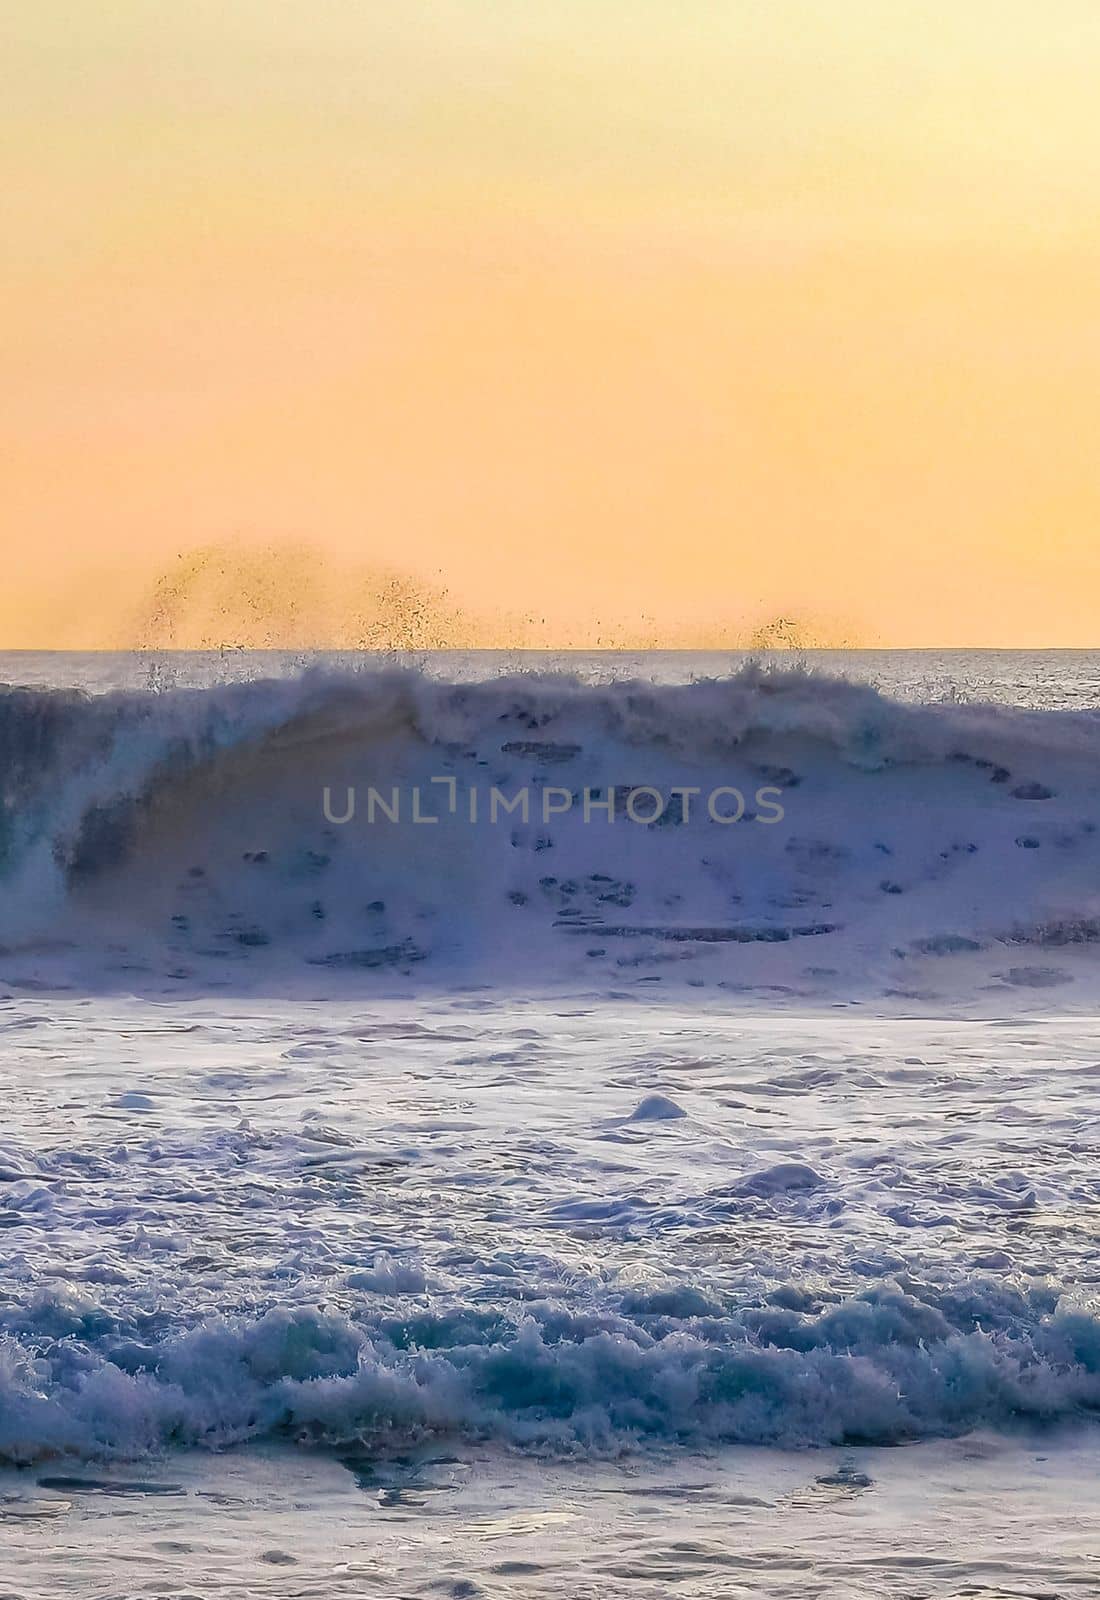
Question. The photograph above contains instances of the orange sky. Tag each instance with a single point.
(670, 316)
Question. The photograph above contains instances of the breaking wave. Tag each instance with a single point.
(373, 822)
(897, 1363)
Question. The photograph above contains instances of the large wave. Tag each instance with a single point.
(376, 823)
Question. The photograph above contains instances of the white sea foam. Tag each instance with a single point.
(879, 1368)
(368, 1227)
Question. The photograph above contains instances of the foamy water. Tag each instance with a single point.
(549, 1204)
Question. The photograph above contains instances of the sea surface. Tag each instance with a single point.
(519, 1125)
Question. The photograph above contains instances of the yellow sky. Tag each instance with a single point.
(696, 311)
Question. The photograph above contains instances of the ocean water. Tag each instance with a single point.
(512, 1126)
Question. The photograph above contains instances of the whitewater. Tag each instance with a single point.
(506, 1127)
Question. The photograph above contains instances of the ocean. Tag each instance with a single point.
(517, 1125)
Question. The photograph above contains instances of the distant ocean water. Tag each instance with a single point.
(528, 1174)
(1037, 678)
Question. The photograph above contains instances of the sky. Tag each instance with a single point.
(592, 322)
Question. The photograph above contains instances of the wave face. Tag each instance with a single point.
(366, 828)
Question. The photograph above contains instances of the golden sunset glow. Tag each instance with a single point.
(669, 317)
